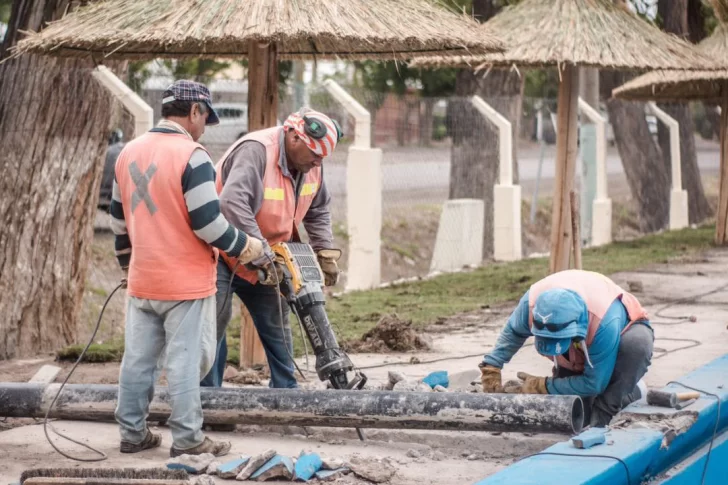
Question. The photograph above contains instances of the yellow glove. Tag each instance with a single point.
(531, 385)
(490, 378)
(327, 259)
(253, 250)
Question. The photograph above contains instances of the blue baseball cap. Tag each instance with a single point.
(184, 90)
(559, 316)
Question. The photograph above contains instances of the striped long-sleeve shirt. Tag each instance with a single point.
(203, 207)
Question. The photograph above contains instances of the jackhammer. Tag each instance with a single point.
(301, 284)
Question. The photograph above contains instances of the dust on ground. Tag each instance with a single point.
(391, 334)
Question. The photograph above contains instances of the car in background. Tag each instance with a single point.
(233, 124)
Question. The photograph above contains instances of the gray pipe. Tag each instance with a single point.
(336, 408)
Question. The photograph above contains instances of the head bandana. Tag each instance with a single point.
(322, 147)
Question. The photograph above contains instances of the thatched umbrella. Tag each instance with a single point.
(712, 86)
(263, 31)
(570, 34)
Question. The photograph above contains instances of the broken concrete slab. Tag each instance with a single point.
(45, 375)
(393, 377)
(254, 464)
(437, 378)
(331, 475)
(332, 463)
(194, 464)
(412, 386)
(374, 470)
(212, 468)
(306, 466)
(203, 480)
(232, 468)
(279, 467)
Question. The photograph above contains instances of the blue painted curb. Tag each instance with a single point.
(635, 453)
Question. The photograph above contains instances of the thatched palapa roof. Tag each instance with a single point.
(347, 29)
(594, 33)
(670, 86)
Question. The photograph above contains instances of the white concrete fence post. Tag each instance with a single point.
(678, 196)
(601, 228)
(363, 197)
(142, 112)
(506, 196)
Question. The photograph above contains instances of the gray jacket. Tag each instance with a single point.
(242, 194)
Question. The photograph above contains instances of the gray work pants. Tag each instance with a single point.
(633, 358)
(178, 336)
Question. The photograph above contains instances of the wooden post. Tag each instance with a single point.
(575, 229)
(262, 86)
(251, 349)
(262, 113)
(566, 146)
(721, 238)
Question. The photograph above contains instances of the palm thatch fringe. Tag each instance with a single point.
(594, 33)
(346, 29)
(671, 86)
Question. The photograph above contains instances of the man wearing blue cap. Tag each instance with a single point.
(596, 334)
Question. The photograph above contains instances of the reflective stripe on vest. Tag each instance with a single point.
(599, 292)
(280, 211)
(168, 261)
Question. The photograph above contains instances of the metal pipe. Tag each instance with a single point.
(335, 408)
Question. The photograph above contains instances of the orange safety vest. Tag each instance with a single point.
(599, 292)
(168, 261)
(281, 211)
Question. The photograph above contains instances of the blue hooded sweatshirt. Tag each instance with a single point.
(602, 351)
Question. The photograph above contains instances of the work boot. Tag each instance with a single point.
(150, 441)
(217, 448)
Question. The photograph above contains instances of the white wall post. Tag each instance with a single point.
(506, 196)
(363, 197)
(601, 232)
(678, 196)
(142, 112)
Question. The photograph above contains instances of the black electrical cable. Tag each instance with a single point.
(280, 316)
(715, 428)
(46, 424)
(679, 319)
(626, 468)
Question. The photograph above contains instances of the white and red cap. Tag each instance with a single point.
(323, 146)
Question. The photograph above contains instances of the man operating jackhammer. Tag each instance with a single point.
(165, 214)
(270, 181)
(597, 335)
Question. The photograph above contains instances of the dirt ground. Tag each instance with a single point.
(457, 344)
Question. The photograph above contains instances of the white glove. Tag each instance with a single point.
(254, 249)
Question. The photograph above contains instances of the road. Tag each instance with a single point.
(420, 169)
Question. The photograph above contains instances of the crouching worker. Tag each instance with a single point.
(165, 214)
(597, 335)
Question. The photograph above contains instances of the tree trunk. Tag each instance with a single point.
(427, 121)
(647, 177)
(474, 160)
(54, 122)
(676, 21)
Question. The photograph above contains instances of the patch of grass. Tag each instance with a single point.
(407, 251)
(425, 301)
(99, 291)
(105, 352)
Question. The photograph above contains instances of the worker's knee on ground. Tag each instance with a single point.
(637, 341)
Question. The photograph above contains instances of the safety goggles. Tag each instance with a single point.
(551, 327)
